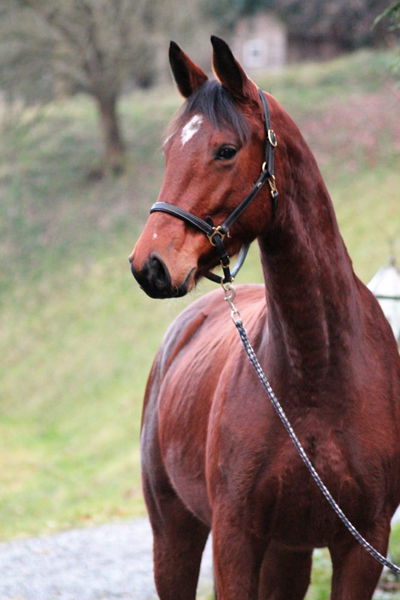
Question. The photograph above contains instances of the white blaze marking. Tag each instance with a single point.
(154, 235)
(191, 128)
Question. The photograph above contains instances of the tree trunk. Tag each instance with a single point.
(114, 147)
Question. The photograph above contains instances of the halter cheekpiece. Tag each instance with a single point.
(216, 234)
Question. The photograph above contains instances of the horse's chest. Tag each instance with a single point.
(278, 496)
(296, 509)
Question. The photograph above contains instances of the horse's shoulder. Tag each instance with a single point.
(205, 317)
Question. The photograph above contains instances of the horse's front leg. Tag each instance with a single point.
(355, 572)
(238, 556)
(285, 573)
(179, 540)
(179, 537)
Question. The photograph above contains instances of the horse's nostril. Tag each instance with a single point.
(157, 273)
(153, 278)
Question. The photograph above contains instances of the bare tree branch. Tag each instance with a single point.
(91, 46)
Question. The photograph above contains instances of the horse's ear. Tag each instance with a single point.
(188, 76)
(230, 73)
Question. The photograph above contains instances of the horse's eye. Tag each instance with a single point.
(226, 153)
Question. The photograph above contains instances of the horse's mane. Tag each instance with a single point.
(216, 103)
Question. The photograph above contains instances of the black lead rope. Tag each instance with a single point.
(216, 234)
(230, 294)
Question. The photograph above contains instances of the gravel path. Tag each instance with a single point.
(100, 563)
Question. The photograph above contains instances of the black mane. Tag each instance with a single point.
(215, 102)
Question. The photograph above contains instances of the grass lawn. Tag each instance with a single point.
(78, 337)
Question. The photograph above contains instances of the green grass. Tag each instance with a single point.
(78, 337)
(311, 83)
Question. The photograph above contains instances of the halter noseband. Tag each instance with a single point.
(216, 234)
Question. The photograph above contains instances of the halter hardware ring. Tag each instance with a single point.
(272, 138)
(272, 186)
(229, 296)
(225, 264)
(216, 231)
(229, 291)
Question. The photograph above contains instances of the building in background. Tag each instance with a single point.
(259, 42)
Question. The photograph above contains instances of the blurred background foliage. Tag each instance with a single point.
(85, 95)
(106, 47)
(346, 23)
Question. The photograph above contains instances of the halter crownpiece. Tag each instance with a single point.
(216, 234)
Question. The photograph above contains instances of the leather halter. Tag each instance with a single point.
(216, 234)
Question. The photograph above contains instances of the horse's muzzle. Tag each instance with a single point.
(155, 280)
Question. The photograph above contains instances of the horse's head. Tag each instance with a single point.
(213, 158)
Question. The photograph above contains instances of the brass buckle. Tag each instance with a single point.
(216, 231)
(272, 138)
(272, 185)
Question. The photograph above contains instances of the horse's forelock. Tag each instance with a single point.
(216, 103)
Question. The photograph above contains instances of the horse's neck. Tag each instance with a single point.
(312, 298)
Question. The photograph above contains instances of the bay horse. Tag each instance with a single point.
(215, 455)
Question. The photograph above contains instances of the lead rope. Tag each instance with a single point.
(230, 294)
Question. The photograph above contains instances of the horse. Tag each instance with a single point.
(214, 454)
